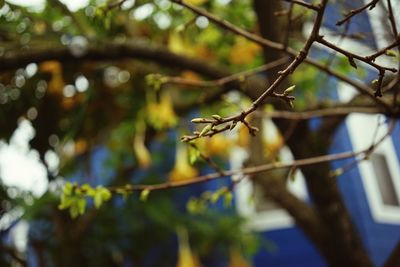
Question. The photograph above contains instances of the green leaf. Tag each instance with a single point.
(87, 190)
(68, 188)
(100, 11)
(337, 172)
(197, 120)
(214, 197)
(107, 22)
(154, 80)
(290, 103)
(101, 195)
(205, 130)
(194, 154)
(391, 53)
(73, 211)
(65, 203)
(81, 203)
(217, 117)
(228, 197)
(195, 206)
(289, 90)
(241, 78)
(78, 207)
(144, 195)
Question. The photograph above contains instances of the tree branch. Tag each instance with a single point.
(304, 4)
(108, 51)
(354, 12)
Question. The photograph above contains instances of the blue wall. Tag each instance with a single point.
(287, 247)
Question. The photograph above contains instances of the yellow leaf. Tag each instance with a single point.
(39, 27)
(81, 146)
(243, 51)
(236, 259)
(243, 138)
(56, 83)
(162, 115)
(217, 145)
(178, 44)
(203, 52)
(66, 103)
(182, 169)
(186, 258)
(273, 146)
(50, 66)
(141, 152)
(190, 75)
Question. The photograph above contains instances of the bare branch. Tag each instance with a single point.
(328, 112)
(304, 4)
(384, 50)
(354, 12)
(224, 80)
(243, 171)
(229, 26)
(352, 56)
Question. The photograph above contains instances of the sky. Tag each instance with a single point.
(19, 165)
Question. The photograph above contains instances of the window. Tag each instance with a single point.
(380, 174)
(385, 180)
(250, 202)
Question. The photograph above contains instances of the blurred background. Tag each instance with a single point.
(99, 93)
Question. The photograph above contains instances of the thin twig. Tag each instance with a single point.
(392, 19)
(304, 4)
(367, 153)
(222, 81)
(229, 26)
(328, 112)
(289, 25)
(116, 4)
(354, 12)
(241, 171)
(209, 160)
(351, 56)
(384, 50)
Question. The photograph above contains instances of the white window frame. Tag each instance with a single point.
(244, 190)
(361, 128)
